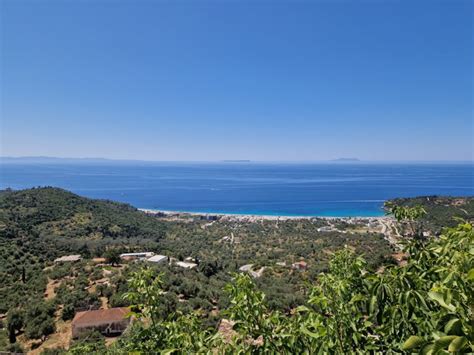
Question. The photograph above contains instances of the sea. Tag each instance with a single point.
(276, 189)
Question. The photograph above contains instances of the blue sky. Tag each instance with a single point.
(261, 80)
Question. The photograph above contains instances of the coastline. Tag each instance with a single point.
(254, 217)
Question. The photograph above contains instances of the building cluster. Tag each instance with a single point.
(249, 268)
(188, 263)
(114, 321)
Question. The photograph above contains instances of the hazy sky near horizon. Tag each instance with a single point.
(261, 80)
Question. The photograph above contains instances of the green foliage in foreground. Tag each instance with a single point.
(424, 306)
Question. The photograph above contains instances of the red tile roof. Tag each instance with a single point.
(100, 316)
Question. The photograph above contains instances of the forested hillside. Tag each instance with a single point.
(441, 211)
(53, 212)
(38, 225)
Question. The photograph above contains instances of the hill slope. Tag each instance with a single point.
(441, 211)
(40, 224)
(45, 212)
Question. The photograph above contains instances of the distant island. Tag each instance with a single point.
(236, 161)
(343, 160)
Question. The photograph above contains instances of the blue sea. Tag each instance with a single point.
(309, 189)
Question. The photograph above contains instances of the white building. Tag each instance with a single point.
(157, 259)
(186, 265)
(137, 256)
(68, 258)
(324, 229)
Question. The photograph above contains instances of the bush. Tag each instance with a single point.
(117, 300)
(89, 342)
(15, 348)
(68, 312)
(39, 320)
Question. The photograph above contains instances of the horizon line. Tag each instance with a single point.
(234, 161)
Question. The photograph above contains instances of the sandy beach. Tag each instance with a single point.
(253, 217)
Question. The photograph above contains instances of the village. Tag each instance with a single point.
(113, 321)
(109, 321)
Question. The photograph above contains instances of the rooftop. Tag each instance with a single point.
(100, 316)
(138, 254)
(186, 265)
(157, 258)
(68, 258)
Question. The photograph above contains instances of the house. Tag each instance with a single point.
(186, 265)
(300, 265)
(158, 259)
(137, 256)
(68, 258)
(110, 322)
(324, 229)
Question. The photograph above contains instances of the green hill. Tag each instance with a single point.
(53, 212)
(441, 211)
(38, 225)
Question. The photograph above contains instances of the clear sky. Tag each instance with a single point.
(260, 80)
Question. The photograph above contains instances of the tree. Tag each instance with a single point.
(209, 268)
(145, 294)
(39, 320)
(14, 323)
(68, 311)
(112, 256)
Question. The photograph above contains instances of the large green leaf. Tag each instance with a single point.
(427, 349)
(440, 299)
(453, 327)
(413, 342)
(457, 344)
(443, 342)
